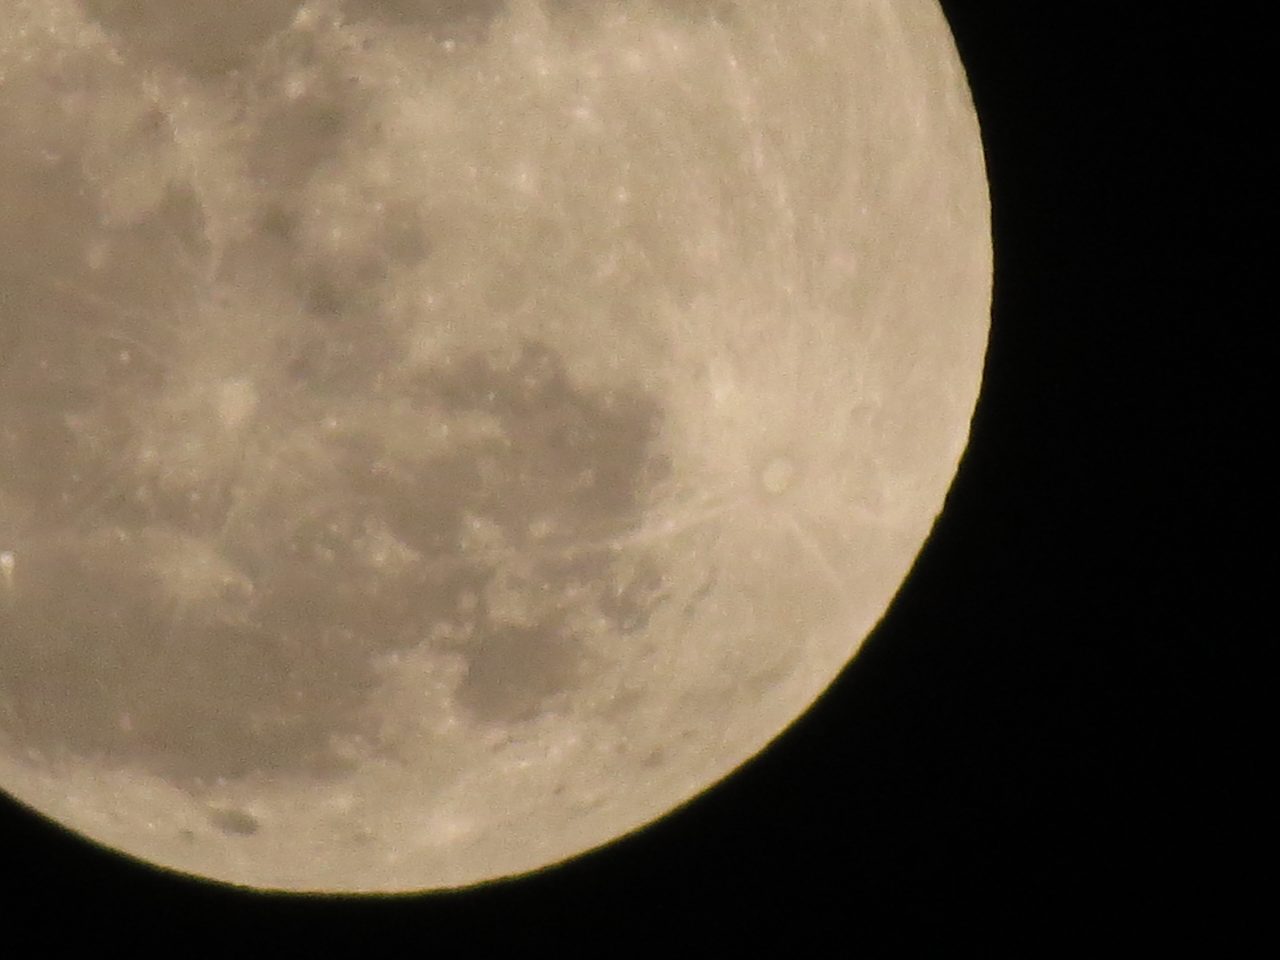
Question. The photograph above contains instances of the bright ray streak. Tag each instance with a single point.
(839, 586)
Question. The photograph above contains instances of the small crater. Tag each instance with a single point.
(777, 476)
(655, 758)
(235, 822)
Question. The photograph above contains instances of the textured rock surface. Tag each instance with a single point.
(439, 426)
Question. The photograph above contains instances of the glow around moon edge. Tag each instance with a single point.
(765, 261)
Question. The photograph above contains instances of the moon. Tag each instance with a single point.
(438, 439)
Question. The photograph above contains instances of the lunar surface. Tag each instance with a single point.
(439, 437)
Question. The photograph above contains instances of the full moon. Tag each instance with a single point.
(440, 437)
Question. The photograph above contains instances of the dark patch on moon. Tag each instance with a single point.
(267, 657)
(235, 822)
(208, 598)
(566, 455)
(195, 36)
(514, 670)
(101, 659)
(632, 596)
(443, 19)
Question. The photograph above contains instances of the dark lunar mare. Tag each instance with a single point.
(274, 668)
(195, 36)
(100, 662)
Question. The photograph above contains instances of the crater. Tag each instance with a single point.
(777, 476)
(235, 822)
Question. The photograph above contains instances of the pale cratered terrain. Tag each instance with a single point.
(437, 438)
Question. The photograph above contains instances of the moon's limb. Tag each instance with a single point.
(439, 438)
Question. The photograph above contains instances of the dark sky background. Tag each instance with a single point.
(1033, 735)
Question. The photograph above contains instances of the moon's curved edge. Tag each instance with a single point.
(915, 416)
